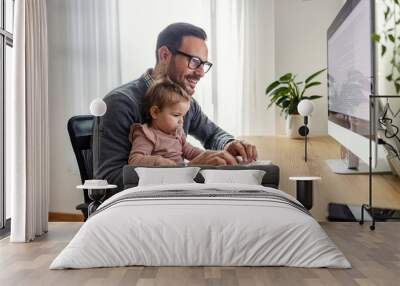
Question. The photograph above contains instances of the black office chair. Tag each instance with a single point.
(80, 130)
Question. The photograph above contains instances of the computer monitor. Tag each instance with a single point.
(351, 80)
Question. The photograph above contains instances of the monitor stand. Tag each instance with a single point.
(340, 167)
(351, 164)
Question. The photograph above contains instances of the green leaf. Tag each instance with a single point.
(285, 104)
(279, 92)
(312, 84)
(397, 86)
(313, 76)
(294, 91)
(286, 77)
(391, 38)
(389, 77)
(277, 96)
(387, 11)
(375, 37)
(270, 104)
(383, 50)
(280, 100)
(312, 97)
(272, 86)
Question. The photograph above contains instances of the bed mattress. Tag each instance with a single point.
(201, 225)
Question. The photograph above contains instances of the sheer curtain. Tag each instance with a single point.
(27, 128)
(84, 52)
(242, 48)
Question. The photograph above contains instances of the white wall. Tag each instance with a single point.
(300, 47)
(64, 174)
(266, 67)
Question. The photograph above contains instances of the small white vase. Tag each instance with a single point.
(293, 123)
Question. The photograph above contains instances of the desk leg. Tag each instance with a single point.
(304, 193)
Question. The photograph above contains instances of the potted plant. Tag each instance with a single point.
(286, 93)
(388, 40)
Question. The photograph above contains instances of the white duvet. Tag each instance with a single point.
(183, 231)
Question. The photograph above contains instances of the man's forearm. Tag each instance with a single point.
(206, 131)
(219, 140)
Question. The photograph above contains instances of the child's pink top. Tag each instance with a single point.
(150, 146)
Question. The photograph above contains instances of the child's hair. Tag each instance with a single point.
(164, 92)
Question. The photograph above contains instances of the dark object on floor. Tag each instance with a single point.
(382, 214)
(340, 212)
(344, 212)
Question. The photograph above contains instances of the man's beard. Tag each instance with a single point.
(172, 74)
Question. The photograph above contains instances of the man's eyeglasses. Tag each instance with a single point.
(195, 62)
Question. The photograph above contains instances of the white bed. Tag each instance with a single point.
(225, 225)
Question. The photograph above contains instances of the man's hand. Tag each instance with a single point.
(214, 158)
(241, 148)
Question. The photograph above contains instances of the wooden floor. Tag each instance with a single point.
(288, 154)
(374, 255)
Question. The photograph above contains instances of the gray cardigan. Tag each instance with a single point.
(124, 107)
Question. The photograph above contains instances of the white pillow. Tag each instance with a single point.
(248, 177)
(164, 176)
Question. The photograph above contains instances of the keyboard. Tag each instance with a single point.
(256, 163)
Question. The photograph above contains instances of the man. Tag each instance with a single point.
(181, 53)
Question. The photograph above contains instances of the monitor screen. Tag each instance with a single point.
(351, 66)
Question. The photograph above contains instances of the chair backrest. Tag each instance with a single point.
(80, 130)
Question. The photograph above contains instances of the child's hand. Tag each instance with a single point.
(165, 162)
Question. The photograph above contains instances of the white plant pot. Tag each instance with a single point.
(293, 123)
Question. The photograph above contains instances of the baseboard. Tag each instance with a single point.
(53, 216)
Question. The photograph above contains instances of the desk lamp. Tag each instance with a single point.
(97, 108)
(305, 108)
(96, 187)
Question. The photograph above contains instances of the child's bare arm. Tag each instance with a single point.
(149, 160)
(189, 151)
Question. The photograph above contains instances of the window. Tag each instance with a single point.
(6, 44)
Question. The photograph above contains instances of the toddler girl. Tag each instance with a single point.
(162, 141)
